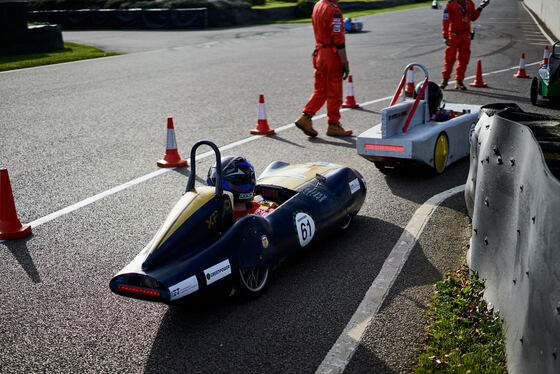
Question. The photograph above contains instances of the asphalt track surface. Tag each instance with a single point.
(74, 131)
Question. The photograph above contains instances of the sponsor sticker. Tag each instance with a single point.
(217, 272)
(354, 185)
(184, 288)
(336, 21)
(245, 195)
(336, 28)
(264, 241)
(305, 227)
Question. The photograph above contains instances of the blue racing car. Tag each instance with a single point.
(200, 248)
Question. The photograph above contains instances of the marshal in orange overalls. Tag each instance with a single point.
(456, 27)
(328, 27)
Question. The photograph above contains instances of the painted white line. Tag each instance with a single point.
(537, 23)
(342, 351)
(156, 173)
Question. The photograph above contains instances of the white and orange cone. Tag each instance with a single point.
(521, 73)
(546, 56)
(409, 88)
(10, 226)
(478, 81)
(262, 123)
(350, 100)
(171, 159)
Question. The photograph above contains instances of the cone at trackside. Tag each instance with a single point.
(350, 99)
(171, 159)
(521, 73)
(262, 123)
(478, 82)
(10, 226)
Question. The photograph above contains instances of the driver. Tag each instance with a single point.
(238, 177)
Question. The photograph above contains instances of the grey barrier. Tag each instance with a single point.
(513, 198)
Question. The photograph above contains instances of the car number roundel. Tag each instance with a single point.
(305, 227)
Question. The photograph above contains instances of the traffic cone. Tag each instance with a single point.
(521, 73)
(546, 55)
(262, 123)
(350, 100)
(478, 82)
(409, 89)
(171, 159)
(10, 226)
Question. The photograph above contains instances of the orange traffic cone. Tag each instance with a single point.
(546, 55)
(478, 82)
(409, 89)
(171, 158)
(350, 100)
(262, 123)
(10, 226)
(521, 73)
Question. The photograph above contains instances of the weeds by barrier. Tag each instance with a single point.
(513, 198)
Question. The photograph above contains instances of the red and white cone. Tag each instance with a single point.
(350, 100)
(171, 159)
(478, 82)
(546, 56)
(521, 73)
(262, 123)
(409, 89)
(10, 226)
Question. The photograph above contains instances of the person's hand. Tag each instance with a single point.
(483, 4)
(345, 70)
(446, 41)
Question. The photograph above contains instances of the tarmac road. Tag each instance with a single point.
(77, 130)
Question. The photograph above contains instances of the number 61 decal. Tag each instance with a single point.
(305, 227)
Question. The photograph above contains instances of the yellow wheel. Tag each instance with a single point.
(440, 153)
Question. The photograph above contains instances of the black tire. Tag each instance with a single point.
(253, 281)
(534, 90)
(346, 223)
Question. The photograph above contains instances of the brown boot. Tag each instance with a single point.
(335, 129)
(460, 86)
(443, 83)
(305, 124)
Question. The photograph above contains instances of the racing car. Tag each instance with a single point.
(547, 84)
(419, 131)
(200, 249)
(352, 26)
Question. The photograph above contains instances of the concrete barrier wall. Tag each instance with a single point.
(549, 12)
(514, 201)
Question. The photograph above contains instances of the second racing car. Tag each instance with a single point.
(419, 131)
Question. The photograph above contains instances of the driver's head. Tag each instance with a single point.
(434, 95)
(238, 178)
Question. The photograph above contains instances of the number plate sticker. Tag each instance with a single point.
(305, 227)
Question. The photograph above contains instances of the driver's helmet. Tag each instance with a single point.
(238, 177)
(434, 95)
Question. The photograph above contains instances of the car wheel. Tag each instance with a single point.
(252, 281)
(346, 223)
(534, 90)
(440, 153)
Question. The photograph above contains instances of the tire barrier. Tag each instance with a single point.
(513, 197)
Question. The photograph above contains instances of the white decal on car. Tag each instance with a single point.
(354, 185)
(305, 227)
(217, 272)
(184, 288)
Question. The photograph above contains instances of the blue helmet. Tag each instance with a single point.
(238, 177)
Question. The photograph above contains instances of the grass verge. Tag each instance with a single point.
(464, 336)
(70, 52)
(359, 13)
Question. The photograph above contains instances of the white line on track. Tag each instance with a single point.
(342, 351)
(156, 173)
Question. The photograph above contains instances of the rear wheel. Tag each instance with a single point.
(346, 223)
(252, 281)
(440, 153)
(534, 90)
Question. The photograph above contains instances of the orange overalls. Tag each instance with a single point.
(328, 27)
(456, 26)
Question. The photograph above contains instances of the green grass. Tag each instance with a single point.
(274, 4)
(464, 336)
(70, 52)
(359, 13)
